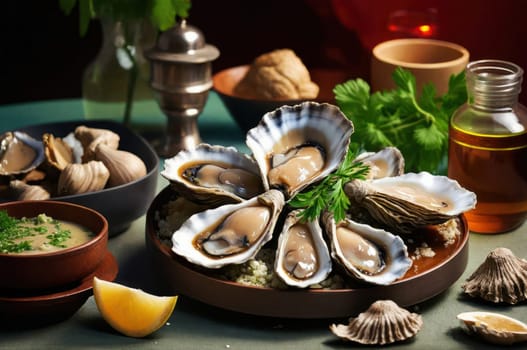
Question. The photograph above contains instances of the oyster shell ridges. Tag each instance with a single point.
(403, 214)
(501, 278)
(384, 322)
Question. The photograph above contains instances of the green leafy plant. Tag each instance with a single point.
(417, 125)
(329, 193)
(161, 13)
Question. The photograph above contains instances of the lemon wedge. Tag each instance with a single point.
(131, 311)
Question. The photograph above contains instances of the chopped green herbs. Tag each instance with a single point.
(418, 126)
(17, 234)
(329, 193)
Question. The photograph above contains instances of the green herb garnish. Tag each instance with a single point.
(329, 193)
(417, 126)
(58, 237)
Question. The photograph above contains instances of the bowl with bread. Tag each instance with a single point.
(272, 80)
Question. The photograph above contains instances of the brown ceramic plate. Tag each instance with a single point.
(30, 309)
(428, 278)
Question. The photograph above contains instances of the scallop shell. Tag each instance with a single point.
(387, 162)
(318, 124)
(384, 322)
(501, 278)
(493, 327)
(186, 240)
(403, 203)
(302, 257)
(228, 157)
(391, 252)
(14, 145)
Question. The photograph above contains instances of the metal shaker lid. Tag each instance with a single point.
(183, 43)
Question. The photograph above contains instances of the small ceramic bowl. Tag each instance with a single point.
(248, 112)
(57, 269)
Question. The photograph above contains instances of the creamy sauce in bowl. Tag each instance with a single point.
(40, 234)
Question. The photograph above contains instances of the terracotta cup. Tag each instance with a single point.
(430, 60)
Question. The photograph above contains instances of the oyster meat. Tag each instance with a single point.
(19, 153)
(501, 278)
(493, 327)
(368, 254)
(213, 173)
(302, 256)
(384, 322)
(387, 162)
(295, 146)
(229, 234)
(409, 201)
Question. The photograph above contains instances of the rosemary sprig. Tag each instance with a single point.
(329, 193)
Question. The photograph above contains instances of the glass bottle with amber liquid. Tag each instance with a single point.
(488, 146)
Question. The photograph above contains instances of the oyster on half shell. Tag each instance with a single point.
(405, 202)
(302, 256)
(368, 254)
(19, 153)
(296, 146)
(387, 162)
(493, 327)
(384, 322)
(213, 174)
(229, 234)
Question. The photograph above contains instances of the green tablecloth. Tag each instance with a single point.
(194, 325)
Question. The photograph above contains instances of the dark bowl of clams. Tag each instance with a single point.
(102, 165)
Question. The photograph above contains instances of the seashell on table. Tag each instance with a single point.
(493, 327)
(501, 278)
(384, 322)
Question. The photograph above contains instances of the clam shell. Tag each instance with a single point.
(184, 239)
(208, 154)
(493, 327)
(285, 128)
(501, 278)
(391, 248)
(384, 322)
(322, 255)
(16, 145)
(403, 203)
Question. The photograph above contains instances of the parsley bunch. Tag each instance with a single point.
(329, 193)
(417, 125)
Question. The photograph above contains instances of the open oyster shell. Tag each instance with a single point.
(384, 322)
(501, 278)
(302, 256)
(296, 146)
(208, 174)
(19, 153)
(229, 234)
(387, 162)
(409, 201)
(493, 327)
(368, 254)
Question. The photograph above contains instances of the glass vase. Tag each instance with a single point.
(115, 84)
